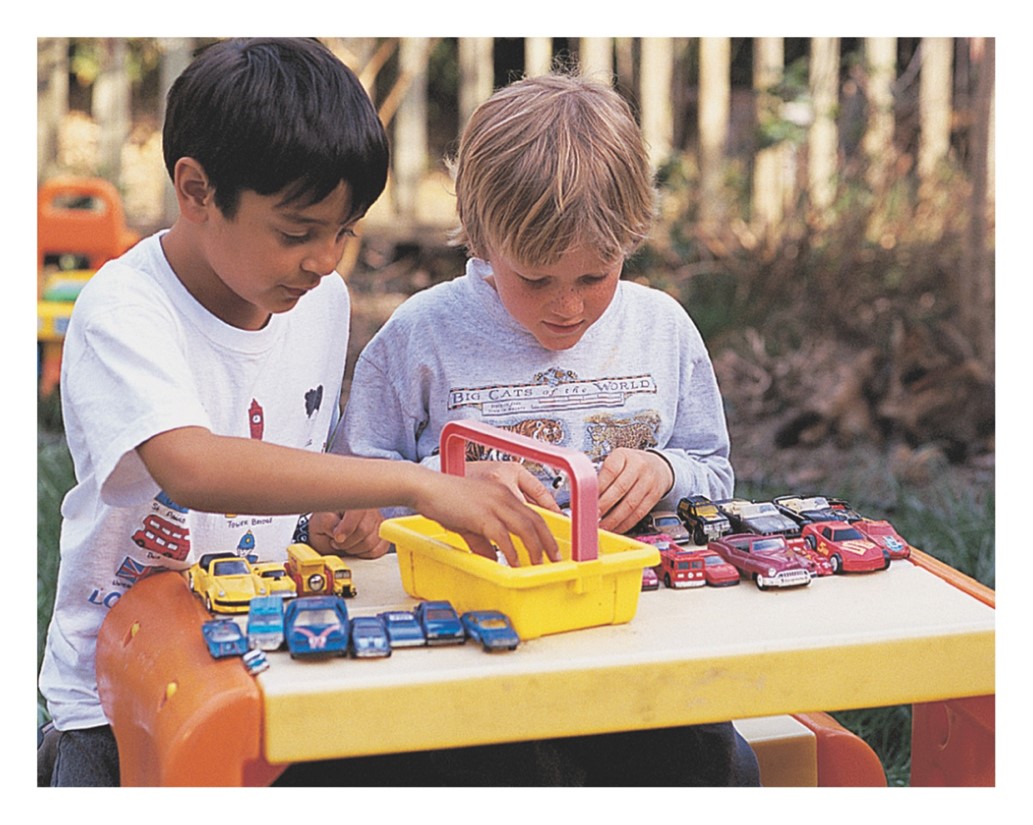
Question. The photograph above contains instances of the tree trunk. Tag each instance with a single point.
(657, 70)
(934, 104)
(881, 62)
(111, 106)
(176, 53)
(476, 74)
(822, 139)
(769, 165)
(595, 54)
(537, 55)
(409, 147)
(52, 68)
(975, 280)
(714, 105)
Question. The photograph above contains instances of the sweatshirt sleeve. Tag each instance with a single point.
(698, 450)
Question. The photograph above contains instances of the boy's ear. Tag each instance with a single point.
(193, 190)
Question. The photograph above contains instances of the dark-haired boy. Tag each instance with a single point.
(202, 369)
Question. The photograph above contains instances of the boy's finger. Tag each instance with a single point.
(537, 493)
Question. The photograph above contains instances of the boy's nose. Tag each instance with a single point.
(569, 304)
(324, 259)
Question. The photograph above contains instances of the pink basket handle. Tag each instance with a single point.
(584, 485)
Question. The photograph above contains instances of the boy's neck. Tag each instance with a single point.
(193, 271)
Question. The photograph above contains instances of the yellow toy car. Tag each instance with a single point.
(277, 579)
(225, 582)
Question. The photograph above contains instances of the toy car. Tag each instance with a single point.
(402, 628)
(768, 560)
(491, 628)
(882, 533)
(846, 549)
(276, 578)
(265, 623)
(316, 626)
(814, 561)
(760, 517)
(225, 582)
(662, 521)
(650, 581)
(702, 518)
(369, 638)
(676, 568)
(440, 623)
(716, 571)
(256, 661)
(224, 638)
(805, 509)
(315, 574)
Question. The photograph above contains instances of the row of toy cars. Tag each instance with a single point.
(785, 542)
(320, 626)
(227, 582)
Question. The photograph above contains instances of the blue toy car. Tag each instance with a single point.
(491, 628)
(255, 661)
(265, 622)
(224, 638)
(440, 623)
(402, 628)
(316, 626)
(369, 638)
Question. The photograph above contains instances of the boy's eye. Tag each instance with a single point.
(534, 283)
(295, 240)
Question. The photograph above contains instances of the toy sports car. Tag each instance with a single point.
(276, 578)
(402, 628)
(369, 638)
(882, 533)
(440, 623)
(225, 582)
(847, 550)
(662, 521)
(768, 560)
(702, 518)
(760, 517)
(491, 628)
(716, 571)
(224, 638)
(317, 626)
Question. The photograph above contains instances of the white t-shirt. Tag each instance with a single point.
(640, 377)
(142, 357)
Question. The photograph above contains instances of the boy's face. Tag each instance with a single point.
(266, 257)
(557, 303)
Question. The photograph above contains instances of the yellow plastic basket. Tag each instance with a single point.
(596, 583)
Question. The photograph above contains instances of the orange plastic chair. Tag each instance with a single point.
(81, 216)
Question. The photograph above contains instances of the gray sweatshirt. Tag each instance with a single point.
(640, 377)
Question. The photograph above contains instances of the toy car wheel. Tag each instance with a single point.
(698, 536)
(811, 542)
(886, 556)
(836, 562)
(208, 603)
(756, 581)
(667, 579)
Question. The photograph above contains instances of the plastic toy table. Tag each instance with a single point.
(906, 635)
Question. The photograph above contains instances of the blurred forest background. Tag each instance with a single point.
(826, 217)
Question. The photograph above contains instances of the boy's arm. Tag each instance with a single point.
(215, 473)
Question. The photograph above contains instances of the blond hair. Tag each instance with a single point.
(550, 163)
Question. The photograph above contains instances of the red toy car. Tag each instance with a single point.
(883, 534)
(845, 547)
(650, 581)
(818, 564)
(716, 571)
(768, 560)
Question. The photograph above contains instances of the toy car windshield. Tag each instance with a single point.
(847, 534)
(321, 616)
(230, 568)
(769, 544)
(225, 632)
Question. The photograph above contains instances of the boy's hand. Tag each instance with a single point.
(485, 513)
(350, 533)
(631, 482)
(517, 478)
